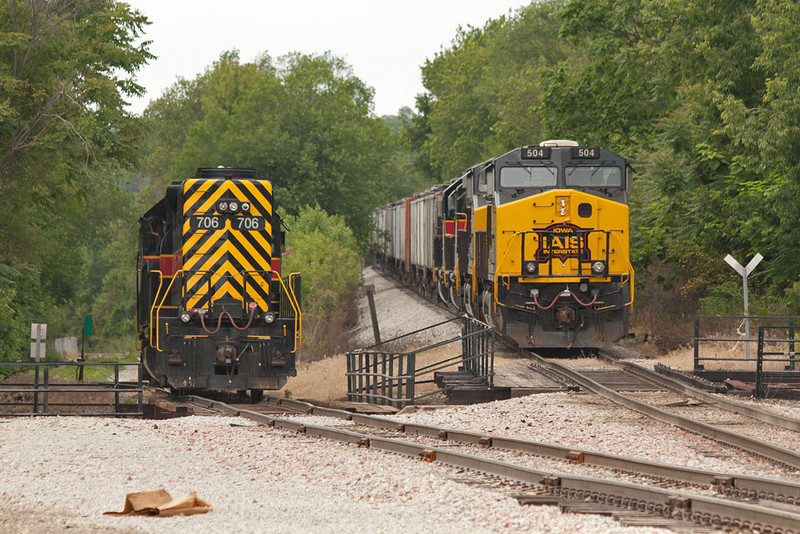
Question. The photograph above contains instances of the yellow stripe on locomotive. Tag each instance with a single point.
(227, 249)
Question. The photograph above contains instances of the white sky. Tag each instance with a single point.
(385, 42)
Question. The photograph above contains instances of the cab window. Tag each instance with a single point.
(482, 182)
(521, 177)
(596, 176)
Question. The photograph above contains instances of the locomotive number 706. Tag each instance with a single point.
(248, 223)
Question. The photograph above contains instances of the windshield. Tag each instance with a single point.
(594, 176)
(527, 177)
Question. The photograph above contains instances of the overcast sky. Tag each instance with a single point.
(385, 42)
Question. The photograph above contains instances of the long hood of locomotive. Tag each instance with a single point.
(226, 256)
(563, 231)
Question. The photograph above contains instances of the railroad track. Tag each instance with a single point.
(733, 438)
(772, 507)
(678, 386)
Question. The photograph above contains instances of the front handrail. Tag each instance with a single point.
(292, 298)
(521, 234)
(288, 291)
(152, 308)
(630, 269)
(613, 233)
(158, 311)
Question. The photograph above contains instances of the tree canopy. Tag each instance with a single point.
(66, 68)
(304, 122)
(702, 98)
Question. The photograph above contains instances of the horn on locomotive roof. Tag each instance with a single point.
(558, 142)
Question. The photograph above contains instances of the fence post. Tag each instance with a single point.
(139, 367)
(411, 370)
(370, 290)
(384, 378)
(116, 387)
(361, 360)
(46, 387)
(791, 366)
(758, 393)
(697, 366)
(490, 370)
(36, 388)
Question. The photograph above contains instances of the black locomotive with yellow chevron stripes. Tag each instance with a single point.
(213, 310)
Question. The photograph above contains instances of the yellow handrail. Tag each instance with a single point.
(158, 311)
(613, 234)
(298, 324)
(153, 307)
(630, 268)
(288, 291)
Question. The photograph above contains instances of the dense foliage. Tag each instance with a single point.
(324, 250)
(66, 67)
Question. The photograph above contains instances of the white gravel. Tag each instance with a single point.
(63, 473)
(400, 313)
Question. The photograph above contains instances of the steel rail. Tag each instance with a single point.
(669, 503)
(736, 484)
(673, 384)
(755, 446)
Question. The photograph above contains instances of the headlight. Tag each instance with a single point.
(245, 206)
(222, 207)
(186, 316)
(269, 317)
(530, 267)
(233, 206)
(563, 206)
(599, 267)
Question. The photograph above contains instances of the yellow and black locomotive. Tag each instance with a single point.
(534, 242)
(213, 310)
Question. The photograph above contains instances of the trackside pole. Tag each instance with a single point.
(370, 289)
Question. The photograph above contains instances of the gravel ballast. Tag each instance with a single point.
(62, 473)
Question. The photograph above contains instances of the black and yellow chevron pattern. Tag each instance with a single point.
(215, 259)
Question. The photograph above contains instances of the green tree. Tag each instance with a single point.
(304, 122)
(482, 92)
(66, 67)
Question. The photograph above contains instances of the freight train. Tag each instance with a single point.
(213, 311)
(534, 242)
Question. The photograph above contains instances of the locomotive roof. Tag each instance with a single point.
(225, 172)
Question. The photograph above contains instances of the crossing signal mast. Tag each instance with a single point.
(745, 272)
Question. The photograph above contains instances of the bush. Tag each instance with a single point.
(323, 249)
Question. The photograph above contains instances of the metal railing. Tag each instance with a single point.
(47, 395)
(390, 378)
(728, 332)
(780, 347)
(289, 305)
